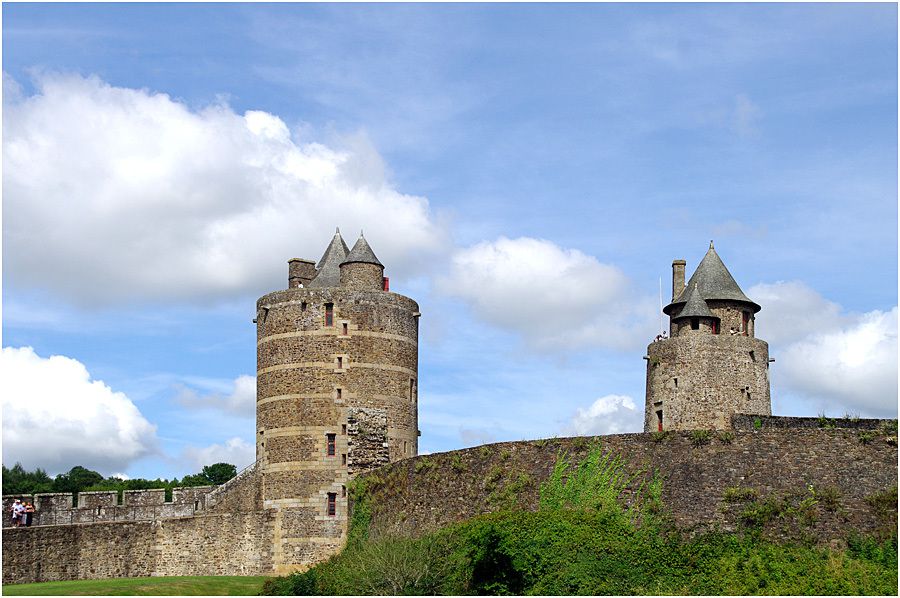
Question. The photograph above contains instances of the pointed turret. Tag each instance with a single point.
(329, 267)
(362, 253)
(715, 282)
(361, 269)
(694, 306)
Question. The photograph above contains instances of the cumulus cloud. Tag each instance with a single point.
(148, 198)
(236, 451)
(241, 400)
(853, 369)
(612, 414)
(55, 416)
(555, 298)
(836, 361)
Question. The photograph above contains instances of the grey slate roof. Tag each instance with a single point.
(714, 282)
(362, 253)
(694, 305)
(329, 267)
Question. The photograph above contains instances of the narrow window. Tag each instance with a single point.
(332, 504)
(659, 420)
(340, 392)
(343, 491)
(676, 382)
(746, 320)
(98, 510)
(412, 388)
(329, 314)
(303, 306)
(343, 458)
(344, 429)
(196, 505)
(340, 362)
(404, 447)
(345, 329)
(695, 323)
(715, 327)
(330, 452)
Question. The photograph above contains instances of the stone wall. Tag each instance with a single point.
(60, 508)
(699, 379)
(848, 468)
(217, 544)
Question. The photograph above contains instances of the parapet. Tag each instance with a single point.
(62, 508)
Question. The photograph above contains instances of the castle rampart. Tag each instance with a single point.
(60, 508)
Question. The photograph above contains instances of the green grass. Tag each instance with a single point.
(143, 586)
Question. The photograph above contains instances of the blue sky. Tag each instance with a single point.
(526, 172)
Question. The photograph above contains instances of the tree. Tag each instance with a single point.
(219, 473)
(79, 478)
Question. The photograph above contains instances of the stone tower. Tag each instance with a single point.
(712, 365)
(337, 377)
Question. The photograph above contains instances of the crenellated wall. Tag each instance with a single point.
(60, 508)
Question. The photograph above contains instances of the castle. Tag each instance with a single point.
(337, 397)
(711, 366)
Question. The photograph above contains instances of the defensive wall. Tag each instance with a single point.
(60, 508)
(710, 479)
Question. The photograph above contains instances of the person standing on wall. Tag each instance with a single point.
(29, 514)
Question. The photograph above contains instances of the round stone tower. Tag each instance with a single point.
(337, 378)
(712, 365)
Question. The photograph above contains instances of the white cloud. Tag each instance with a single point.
(836, 361)
(555, 298)
(235, 451)
(147, 198)
(791, 311)
(853, 369)
(56, 417)
(239, 400)
(612, 414)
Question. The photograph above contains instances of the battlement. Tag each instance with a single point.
(61, 508)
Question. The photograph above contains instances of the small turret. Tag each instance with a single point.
(361, 269)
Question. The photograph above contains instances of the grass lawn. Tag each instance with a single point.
(142, 586)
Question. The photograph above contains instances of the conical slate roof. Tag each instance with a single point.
(714, 282)
(694, 306)
(362, 253)
(329, 267)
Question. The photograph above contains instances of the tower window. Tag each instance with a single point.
(404, 447)
(344, 429)
(303, 306)
(343, 458)
(343, 491)
(745, 322)
(329, 314)
(331, 508)
(412, 388)
(340, 362)
(695, 323)
(345, 329)
(330, 445)
(340, 391)
(715, 327)
(659, 420)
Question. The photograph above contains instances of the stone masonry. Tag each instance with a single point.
(712, 366)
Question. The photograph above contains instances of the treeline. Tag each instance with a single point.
(16, 480)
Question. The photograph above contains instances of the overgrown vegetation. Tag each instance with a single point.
(142, 586)
(598, 530)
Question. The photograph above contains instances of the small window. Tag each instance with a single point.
(715, 327)
(332, 504)
(340, 393)
(329, 314)
(412, 388)
(695, 323)
(344, 429)
(404, 447)
(745, 323)
(345, 329)
(98, 510)
(303, 306)
(343, 491)
(196, 505)
(676, 382)
(659, 420)
(330, 438)
(340, 361)
(343, 458)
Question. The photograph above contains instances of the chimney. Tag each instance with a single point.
(300, 272)
(677, 277)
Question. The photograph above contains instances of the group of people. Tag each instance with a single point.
(22, 513)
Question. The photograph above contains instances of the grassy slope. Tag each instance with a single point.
(143, 586)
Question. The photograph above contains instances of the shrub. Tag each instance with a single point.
(757, 424)
(739, 494)
(726, 437)
(866, 437)
(659, 436)
(700, 437)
